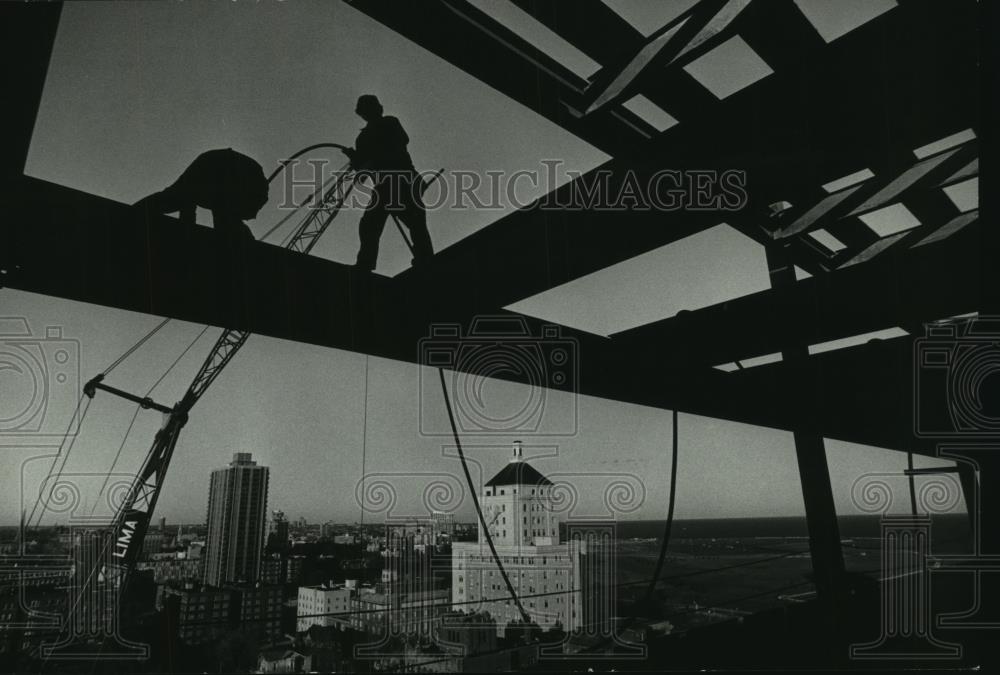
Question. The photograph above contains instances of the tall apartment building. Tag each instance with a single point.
(237, 509)
(545, 572)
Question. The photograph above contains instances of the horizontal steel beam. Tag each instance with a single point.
(69, 244)
(876, 392)
(898, 288)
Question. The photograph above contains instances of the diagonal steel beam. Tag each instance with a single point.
(494, 54)
(787, 145)
(875, 193)
(689, 35)
(28, 33)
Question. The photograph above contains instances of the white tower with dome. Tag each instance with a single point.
(518, 509)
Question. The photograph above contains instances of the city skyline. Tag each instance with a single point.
(486, 460)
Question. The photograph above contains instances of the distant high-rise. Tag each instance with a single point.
(277, 530)
(237, 510)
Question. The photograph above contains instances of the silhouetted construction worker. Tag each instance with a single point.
(380, 151)
(229, 184)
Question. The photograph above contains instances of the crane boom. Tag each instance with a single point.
(133, 516)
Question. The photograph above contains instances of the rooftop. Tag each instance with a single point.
(518, 473)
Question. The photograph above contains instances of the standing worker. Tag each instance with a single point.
(229, 184)
(380, 152)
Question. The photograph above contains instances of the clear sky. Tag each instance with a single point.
(137, 90)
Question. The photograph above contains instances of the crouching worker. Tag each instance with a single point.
(229, 184)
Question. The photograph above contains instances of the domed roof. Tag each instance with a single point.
(519, 473)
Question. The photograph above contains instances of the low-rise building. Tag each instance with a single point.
(173, 571)
(323, 605)
(283, 660)
(257, 610)
(274, 569)
(202, 614)
(398, 613)
(293, 569)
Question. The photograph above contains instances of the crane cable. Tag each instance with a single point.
(65, 457)
(44, 502)
(395, 218)
(475, 501)
(285, 162)
(661, 558)
(670, 513)
(78, 418)
(281, 166)
(340, 173)
(79, 424)
(40, 501)
(137, 345)
(127, 354)
(364, 455)
(138, 407)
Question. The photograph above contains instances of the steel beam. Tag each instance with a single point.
(28, 33)
(787, 145)
(474, 42)
(810, 454)
(899, 287)
(85, 248)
